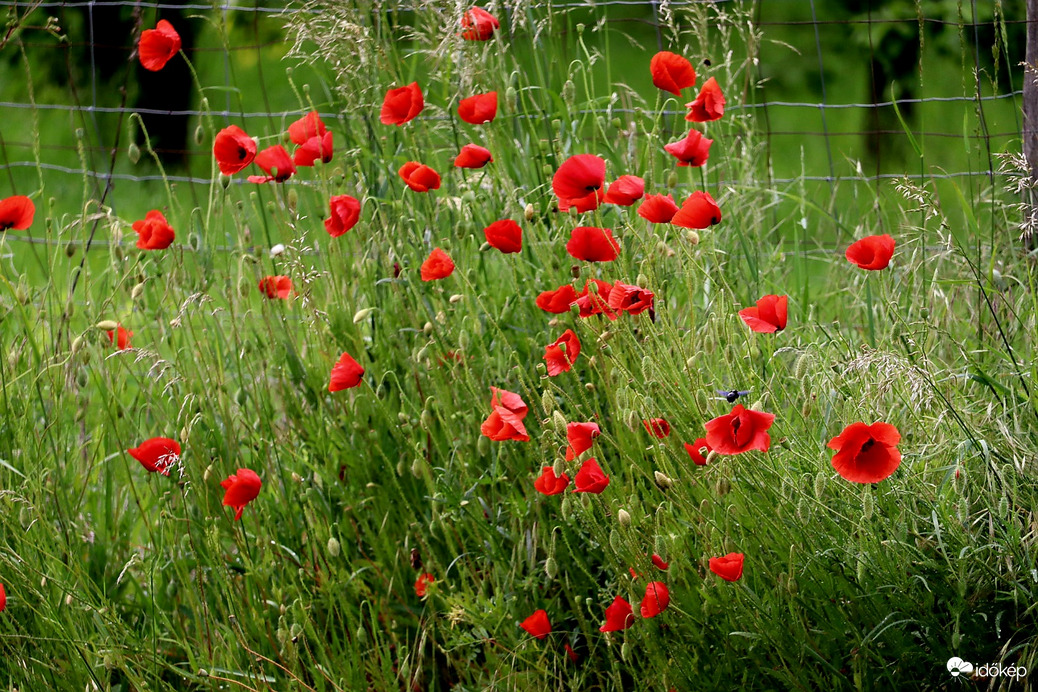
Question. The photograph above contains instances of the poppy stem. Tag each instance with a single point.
(868, 304)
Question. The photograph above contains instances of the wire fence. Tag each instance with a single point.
(851, 89)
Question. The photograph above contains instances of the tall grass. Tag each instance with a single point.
(118, 579)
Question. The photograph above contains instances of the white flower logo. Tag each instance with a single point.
(957, 667)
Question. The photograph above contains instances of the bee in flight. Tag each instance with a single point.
(731, 395)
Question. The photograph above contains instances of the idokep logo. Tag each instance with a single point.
(957, 667)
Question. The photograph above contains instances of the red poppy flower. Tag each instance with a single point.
(306, 128)
(578, 176)
(593, 244)
(618, 616)
(739, 431)
(16, 213)
(658, 561)
(153, 233)
(695, 451)
(596, 302)
(873, 252)
(402, 105)
(657, 427)
(698, 211)
(158, 46)
(505, 422)
(590, 478)
(313, 138)
(421, 584)
(625, 191)
(346, 373)
(550, 484)
(557, 301)
(233, 149)
(505, 235)
(3, 600)
(693, 150)
(419, 177)
(768, 316)
(537, 625)
(580, 437)
(478, 25)
(631, 299)
(728, 567)
(866, 453)
(241, 489)
(120, 338)
(276, 287)
(478, 109)
(571, 653)
(709, 104)
(561, 354)
(276, 163)
(438, 265)
(473, 156)
(158, 454)
(345, 212)
(658, 208)
(582, 204)
(657, 598)
(672, 72)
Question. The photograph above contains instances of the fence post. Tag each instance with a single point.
(1031, 92)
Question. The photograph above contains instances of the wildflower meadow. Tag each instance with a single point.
(501, 360)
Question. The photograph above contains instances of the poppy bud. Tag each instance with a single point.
(663, 481)
(806, 409)
(362, 635)
(456, 298)
(559, 421)
(427, 328)
(559, 467)
(615, 122)
(819, 484)
(427, 419)
(133, 152)
(529, 212)
(590, 386)
(483, 445)
(333, 547)
(723, 487)
(614, 541)
(642, 279)
(573, 212)
(692, 237)
(77, 344)
(225, 181)
(510, 94)
(195, 241)
(107, 325)
(564, 508)
(137, 291)
(868, 504)
(208, 473)
(293, 199)
(712, 457)
(551, 568)
(624, 650)
(362, 315)
(203, 673)
(624, 517)
(548, 402)
(672, 179)
(199, 134)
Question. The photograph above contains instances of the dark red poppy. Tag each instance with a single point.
(618, 616)
(276, 163)
(579, 176)
(695, 451)
(625, 191)
(658, 208)
(580, 437)
(505, 235)
(233, 149)
(693, 150)
(276, 287)
(631, 299)
(596, 302)
(872, 252)
(478, 109)
(728, 567)
(421, 584)
(473, 156)
(657, 427)
(657, 598)
(709, 104)
(346, 373)
(550, 484)
(505, 422)
(120, 338)
(768, 316)
(672, 72)
(16, 213)
(419, 177)
(698, 211)
(593, 244)
(438, 265)
(158, 46)
(583, 204)
(561, 354)
(241, 489)
(3, 600)
(402, 104)
(345, 212)
(157, 455)
(571, 653)
(557, 301)
(658, 561)
(590, 478)
(739, 431)
(537, 625)
(478, 25)
(153, 232)
(866, 453)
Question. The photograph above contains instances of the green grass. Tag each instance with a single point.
(125, 580)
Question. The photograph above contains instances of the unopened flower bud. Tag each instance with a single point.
(551, 568)
(529, 212)
(362, 315)
(692, 236)
(559, 421)
(133, 152)
(137, 291)
(624, 517)
(662, 480)
(107, 325)
(333, 547)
